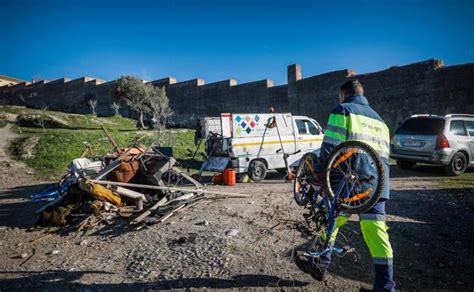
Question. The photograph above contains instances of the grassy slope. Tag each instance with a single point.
(26, 117)
(65, 139)
(57, 147)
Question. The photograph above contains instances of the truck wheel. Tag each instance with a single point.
(404, 164)
(257, 170)
(457, 166)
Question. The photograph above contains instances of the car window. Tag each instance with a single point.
(421, 126)
(457, 128)
(470, 127)
(312, 128)
(301, 125)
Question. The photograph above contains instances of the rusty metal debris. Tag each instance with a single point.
(137, 183)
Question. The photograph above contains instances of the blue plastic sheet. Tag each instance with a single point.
(52, 192)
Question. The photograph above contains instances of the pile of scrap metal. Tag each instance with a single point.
(139, 183)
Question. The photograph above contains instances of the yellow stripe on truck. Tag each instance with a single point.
(274, 142)
(311, 140)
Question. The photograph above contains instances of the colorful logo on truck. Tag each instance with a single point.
(246, 124)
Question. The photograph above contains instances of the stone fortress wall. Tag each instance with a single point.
(397, 92)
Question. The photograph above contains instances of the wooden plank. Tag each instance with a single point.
(186, 176)
(111, 139)
(109, 168)
(170, 213)
(184, 197)
(28, 258)
(192, 203)
(149, 211)
(173, 189)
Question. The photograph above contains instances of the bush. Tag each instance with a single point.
(33, 121)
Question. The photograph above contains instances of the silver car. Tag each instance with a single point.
(444, 140)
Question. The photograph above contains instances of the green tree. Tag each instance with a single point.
(160, 107)
(160, 110)
(136, 95)
(145, 98)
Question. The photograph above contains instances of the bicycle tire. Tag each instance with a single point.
(298, 196)
(373, 196)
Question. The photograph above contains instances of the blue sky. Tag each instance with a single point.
(216, 40)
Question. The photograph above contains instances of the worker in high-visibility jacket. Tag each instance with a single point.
(354, 119)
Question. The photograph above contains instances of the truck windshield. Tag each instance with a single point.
(421, 126)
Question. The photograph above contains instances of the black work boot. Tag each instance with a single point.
(306, 265)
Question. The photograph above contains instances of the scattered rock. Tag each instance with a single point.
(154, 274)
(54, 252)
(24, 255)
(204, 223)
(190, 239)
(232, 233)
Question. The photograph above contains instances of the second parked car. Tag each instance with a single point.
(443, 140)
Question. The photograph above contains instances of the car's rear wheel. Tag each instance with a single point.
(257, 170)
(457, 166)
(404, 164)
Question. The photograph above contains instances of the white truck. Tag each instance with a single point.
(253, 148)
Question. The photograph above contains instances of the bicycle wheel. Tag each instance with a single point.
(302, 189)
(354, 175)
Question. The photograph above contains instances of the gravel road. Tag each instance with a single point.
(234, 243)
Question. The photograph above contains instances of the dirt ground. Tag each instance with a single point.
(235, 243)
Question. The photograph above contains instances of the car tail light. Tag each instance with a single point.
(442, 142)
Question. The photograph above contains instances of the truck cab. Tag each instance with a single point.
(309, 134)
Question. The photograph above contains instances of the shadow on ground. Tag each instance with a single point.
(431, 234)
(60, 279)
(21, 213)
(422, 170)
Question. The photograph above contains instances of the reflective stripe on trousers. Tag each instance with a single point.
(374, 231)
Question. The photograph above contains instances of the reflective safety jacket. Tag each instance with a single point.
(354, 119)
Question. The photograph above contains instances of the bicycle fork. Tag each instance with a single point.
(328, 244)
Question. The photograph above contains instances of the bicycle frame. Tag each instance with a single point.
(340, 192)
(330, 205)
